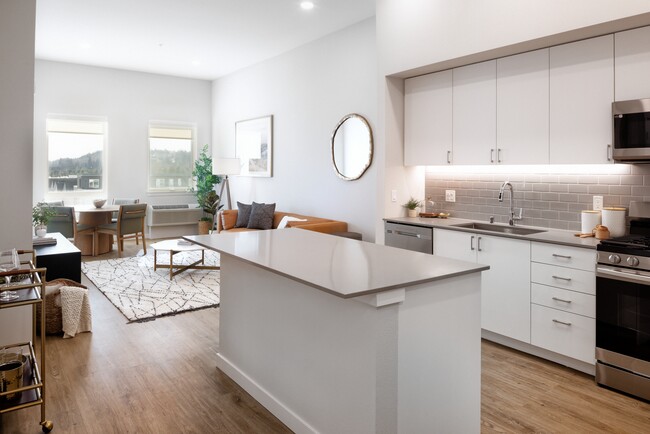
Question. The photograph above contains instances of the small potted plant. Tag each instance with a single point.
(411, 207)
(207, 198)
(41, 215)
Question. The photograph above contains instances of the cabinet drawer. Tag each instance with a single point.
(562, 277)
(575, 338)
(568, 301)
(565, 256)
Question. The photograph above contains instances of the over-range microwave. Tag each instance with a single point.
(631, 131)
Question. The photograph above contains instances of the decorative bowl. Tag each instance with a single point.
(99, 203)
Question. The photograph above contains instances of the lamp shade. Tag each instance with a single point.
(226, 166)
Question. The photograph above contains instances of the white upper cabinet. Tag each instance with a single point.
(474, 114)
(522, 108)
(632, 64)
(427, 119)
(582, 92)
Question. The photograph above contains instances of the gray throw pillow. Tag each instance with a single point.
(243, 215)
(261, 216)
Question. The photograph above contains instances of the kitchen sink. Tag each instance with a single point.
(490, 227)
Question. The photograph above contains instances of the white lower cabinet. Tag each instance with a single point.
(563, 332)
(505, 287)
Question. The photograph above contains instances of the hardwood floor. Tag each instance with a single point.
(160, 377)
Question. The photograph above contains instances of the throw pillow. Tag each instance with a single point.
(243, 215)
(228, 219)
(286, 219)
(261, 216)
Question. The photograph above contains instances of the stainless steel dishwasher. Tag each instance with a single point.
(410, 237)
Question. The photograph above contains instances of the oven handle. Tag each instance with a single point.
(635, 276)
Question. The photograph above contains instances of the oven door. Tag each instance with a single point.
(623, 318)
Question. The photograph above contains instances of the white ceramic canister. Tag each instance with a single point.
(614, 219)
(590, 219)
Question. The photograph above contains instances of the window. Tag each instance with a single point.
(75, 155)
(171, 150)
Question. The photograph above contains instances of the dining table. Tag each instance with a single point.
(92, 216)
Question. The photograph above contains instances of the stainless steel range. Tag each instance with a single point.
(623, 307)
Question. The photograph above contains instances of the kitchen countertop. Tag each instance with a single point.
(337, 265)
(554, 236)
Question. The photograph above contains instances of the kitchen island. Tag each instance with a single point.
(336, 335)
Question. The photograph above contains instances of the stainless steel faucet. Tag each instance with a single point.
(513, 217)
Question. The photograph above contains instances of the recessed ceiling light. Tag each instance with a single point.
(85, 45)
(307, 5)
(196, 62)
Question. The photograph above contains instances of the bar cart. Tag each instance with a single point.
(25, 286)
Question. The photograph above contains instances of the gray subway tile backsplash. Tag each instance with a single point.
(548, 199)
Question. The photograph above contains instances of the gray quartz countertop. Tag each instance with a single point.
(554, 236)
(341, 266)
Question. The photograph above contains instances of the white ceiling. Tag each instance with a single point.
(189, 38)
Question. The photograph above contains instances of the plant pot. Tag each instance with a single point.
(204, 227)
(412, 212)
(41, 230)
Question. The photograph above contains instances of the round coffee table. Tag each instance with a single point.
(174, 247)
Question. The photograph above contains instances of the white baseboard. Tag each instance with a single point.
(261, 395)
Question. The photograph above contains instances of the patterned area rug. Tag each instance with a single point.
(143, 294)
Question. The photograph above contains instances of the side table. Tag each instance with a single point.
(62, 260)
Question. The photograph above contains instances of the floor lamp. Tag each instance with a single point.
(224, 167)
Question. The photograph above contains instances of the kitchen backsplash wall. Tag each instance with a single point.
(552, 200)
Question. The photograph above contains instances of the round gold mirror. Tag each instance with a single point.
(352, 147)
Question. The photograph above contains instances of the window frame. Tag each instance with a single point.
(171, 125)
(74, 195)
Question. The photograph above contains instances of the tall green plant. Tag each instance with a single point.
(205, 182)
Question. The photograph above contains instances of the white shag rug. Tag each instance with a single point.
(141, 293)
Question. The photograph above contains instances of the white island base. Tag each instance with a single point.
(398, 361)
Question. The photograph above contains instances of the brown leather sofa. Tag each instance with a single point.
(226, 220)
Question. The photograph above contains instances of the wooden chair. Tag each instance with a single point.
(65, 221)
(122, 202)
(130, 224)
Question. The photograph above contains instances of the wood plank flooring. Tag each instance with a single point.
(160, 377)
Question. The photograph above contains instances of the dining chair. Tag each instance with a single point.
(117, 201)
(65, 221)
(130, 224)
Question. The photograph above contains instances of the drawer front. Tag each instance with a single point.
(564, 256)
(562, 299)
(575, 338)
(565, 278)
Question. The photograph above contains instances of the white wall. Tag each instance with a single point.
(129, 100)
(308, 91)
(17, 24)
(421, 32)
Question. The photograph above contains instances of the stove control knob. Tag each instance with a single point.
(614, 259)
(632, 261)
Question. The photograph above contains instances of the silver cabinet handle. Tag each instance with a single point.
(561, 322)
(471, 243)
(448, 157)
(491, 155)
(609, 153)
(478, 244)
(555, 255)
(498, 155)
(567, 279)
(563, 301)
(408, 234)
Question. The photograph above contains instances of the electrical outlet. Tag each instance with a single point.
(450, 195)
(393, 195)
(598, 203)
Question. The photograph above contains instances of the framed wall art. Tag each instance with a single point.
(254, 146)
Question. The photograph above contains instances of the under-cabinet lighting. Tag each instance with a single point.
(307, 5)
(600, 169)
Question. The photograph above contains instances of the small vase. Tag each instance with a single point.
(204, 227)
(41, 231)
(412, 212)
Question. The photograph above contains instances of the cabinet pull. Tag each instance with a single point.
(561, 322)
(498, 155)
(471, 242)
(555, 255)
(491, 155)
(563, 301)
(448, 157)
(609, 153)
(478, 244)
(567, 279)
